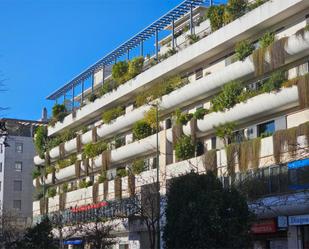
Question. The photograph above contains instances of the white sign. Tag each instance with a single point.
(299, 220)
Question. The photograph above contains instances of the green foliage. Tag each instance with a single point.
(39, 236)
(51, 192)
(243, 49)
(225, 131)
(266, 40)
(63, 137)
(59, 112)
(85, 184)
(228, 97)
(215, 14)
(102, 177)
(275, 82)
(151, 118)
(65, 187)
(135, 67)
(40, 140)
(91, 150)
(122, 172)
(235, 9)
(141, 129)
(92, 97)
(112, 114)
(200, 113)
(36, 173)
(108, 86)
(66, 162)
(206, 216)
(119, 71)
(184, 148)
(138, 166)
(255, 4)
(49, 169)
(193, 38)
(182, 118)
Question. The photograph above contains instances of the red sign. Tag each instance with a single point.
(264, 226)
(89, 207)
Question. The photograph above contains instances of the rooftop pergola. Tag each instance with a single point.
(166, 20)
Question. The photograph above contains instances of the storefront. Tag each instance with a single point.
(266, 235)
(299, 231)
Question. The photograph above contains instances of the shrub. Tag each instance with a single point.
(119, 71)
(138, 166)
(225, 131)
(215, 14)
(228, 97)
(112, 114)
(151, 117)
(85, 184)
(65, 187)
(122, 172)
(36, 173)
(59, 112)
(108, 86)
(200, 113)
(135, 67)
(49, 169)
(243, 49)
(193, 38)
(40, 140)
(91, 150)
(235, 9)
(267, 39)
(275, 81)
(103, 177)
(255, 4)
(184, 148)
(51, 192)
(141, 129)
(182, 118)
(92, 97)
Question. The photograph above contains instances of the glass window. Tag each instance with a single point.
(17, 185)
(18, 166)
(17, 204)
(19, 147)
(266, 129)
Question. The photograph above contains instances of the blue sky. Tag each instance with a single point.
(45, 43)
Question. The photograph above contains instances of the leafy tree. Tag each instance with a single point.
(206, 216)
(184, 148)
(40, 140)
(38, 237)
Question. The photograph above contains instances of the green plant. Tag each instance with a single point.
(91, 150)
(102, 177)
(59, 111)
(112, 114)
(228, 96)
(243, 49)
(85, 184)
(36, 173)
(151, 118)
(122, 172)
(234, 9)
(200, 113)
(193, 38)
(135, 67)
(40, 140)
(255, 4)
(225, 131)
(267, 39)
(92, 97)
(184, 148)
(138, 166)
(51, 192)
(119, 71)
(275, 81)
(215, 14)
(141, 129)
(49, 169)
(108, 86)
(65, 187)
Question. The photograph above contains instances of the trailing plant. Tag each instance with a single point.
(302, 31)
(182, 118)
(243, 49)
(210, 161)
(112, 114)
(249, 154)
(255, 4)
(85, 184)
(193, 38)
(51, 192)
(266, 40)
(108, 86)
(49, 169)
(40, 140)
(184, 148)
(200, 113)
(232, 155)
(151, 117)
(141, 129)
(138, 166)
(225, 131)
(121, 172)
(92, 97)
(215, 14)
(135, 67)
(228, 96)
(91, 150)
(65, 187)
(119, 71)
(59, 111)
(66, 162)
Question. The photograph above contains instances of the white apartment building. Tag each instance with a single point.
(265, 103)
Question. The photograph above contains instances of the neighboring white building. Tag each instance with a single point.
(204, 65)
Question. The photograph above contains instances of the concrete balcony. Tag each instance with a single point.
(246, 26)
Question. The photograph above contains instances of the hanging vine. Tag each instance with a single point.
(193, 128)
(131, 184)
(105, 189)
(303, 91)
(77, 168)
(232, 155)
(78, 143)
(95, 192)
(62, 201)
(249, 154)
(210, 161)
(61, 151)
(105, 157)
(118, 187)
(94, 135)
